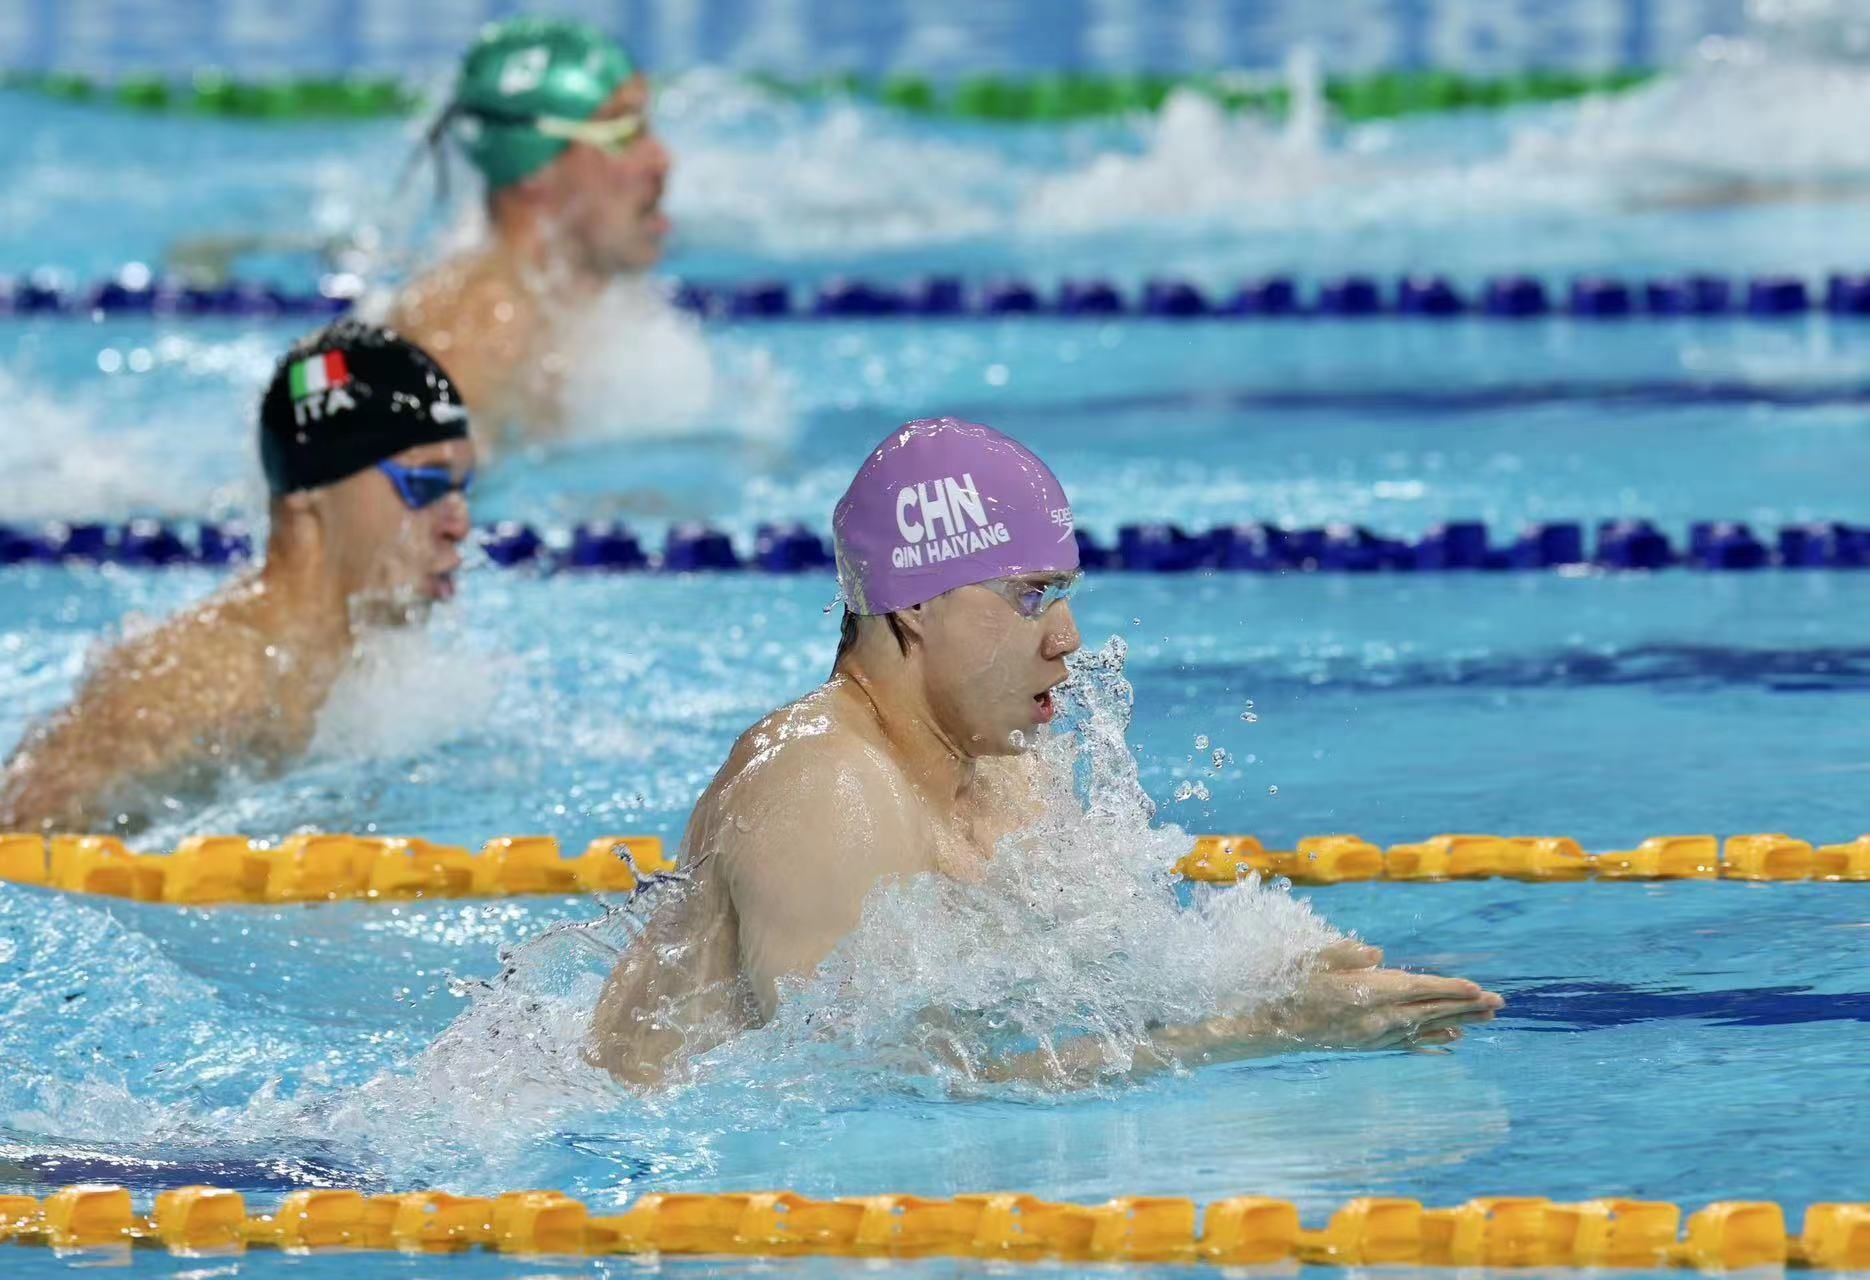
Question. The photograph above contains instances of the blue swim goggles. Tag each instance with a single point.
(421, 487)
(1031, 599)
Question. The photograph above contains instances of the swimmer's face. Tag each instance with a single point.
(608, 200)
(395, 560)
(990, 672)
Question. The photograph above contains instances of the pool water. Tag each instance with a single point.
(1685, 1042)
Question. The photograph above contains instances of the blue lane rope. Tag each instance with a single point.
(1461, 545)
(134, 291)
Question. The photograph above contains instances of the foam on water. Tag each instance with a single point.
(82, 455)
(644, 369)
(850, 177)
(408, 690)
(753, 171)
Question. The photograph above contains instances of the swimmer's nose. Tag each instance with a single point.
(658, 158)
(452, 521)
(1061, 633)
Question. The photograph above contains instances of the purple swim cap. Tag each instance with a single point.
(940, 504)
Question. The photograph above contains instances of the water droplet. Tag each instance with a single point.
(1219, 758)
(742, 822)
(1136, 622)
(1016, 740)
(1272, 791)
(1201, 742)
(1249, 717)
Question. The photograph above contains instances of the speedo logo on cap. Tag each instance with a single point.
(942, 519)
(318, 387)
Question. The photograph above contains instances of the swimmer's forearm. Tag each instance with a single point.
(1088, 1061)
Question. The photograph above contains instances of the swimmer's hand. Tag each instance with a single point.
(1349, 1002)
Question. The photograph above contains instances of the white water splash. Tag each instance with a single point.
(1076, 931)
(79, 450)
(644, 369)
(408, 690)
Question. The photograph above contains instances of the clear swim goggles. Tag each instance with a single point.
(611, 134)
(1030, 599)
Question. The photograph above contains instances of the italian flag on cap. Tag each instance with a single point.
(319, 373)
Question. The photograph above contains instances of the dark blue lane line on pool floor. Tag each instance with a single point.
(1448, 400)
(1683, 667)
(1584, 1006)
(274, 1171)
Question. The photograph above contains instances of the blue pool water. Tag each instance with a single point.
(1685, 1042)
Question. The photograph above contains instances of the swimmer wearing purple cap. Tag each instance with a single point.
(956, 559)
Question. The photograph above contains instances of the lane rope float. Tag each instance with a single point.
(218, 870)
(222, 870)
(989, 98)
(1344, 859)
(1245, 547)
(1494, 1231)
(138, 291)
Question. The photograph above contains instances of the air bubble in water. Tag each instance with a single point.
(1219, 758)
(1272, 791)
(1201, 742)
(1249, 717)
(1192, 791)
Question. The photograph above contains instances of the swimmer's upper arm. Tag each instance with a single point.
(816, 830)
(139, 715)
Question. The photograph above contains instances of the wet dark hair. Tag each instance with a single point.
(847, 635)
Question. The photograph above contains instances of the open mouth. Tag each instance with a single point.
(1042, 708)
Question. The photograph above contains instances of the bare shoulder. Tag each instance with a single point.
(464, 305)
(808, 779)
(432, 296)
(146, 707)
(207, 659)
(808, 748)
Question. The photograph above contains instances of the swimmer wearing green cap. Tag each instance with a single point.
(556, 120)
(364, 444)
(957, 560)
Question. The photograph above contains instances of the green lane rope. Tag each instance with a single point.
(987, 98)
(208, 94)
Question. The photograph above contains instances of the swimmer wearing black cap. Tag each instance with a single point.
(555, 118)
(364, 442)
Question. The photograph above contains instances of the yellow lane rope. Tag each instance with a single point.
(1338, 859)
(207, 870)
(1500, 1231)
(213, 870)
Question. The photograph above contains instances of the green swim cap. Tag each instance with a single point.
(522, 69)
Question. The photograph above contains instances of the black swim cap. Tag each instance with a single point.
(348, 397)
